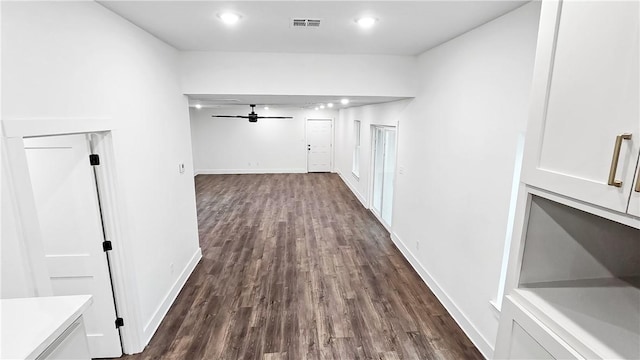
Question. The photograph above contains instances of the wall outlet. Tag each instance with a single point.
(417, 245)
(171, 267)
(401, 170)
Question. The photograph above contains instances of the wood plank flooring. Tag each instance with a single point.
(295, 268)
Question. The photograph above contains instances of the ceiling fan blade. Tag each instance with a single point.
(275, 117)
(230, 116)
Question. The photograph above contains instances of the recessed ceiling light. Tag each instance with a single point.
(266, 108)
(321, 106)
(330, 105)
(366, 22)
(344, 101)
(198, 106)
(316, 108)
(229, 18)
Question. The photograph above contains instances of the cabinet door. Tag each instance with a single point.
(522, 336)
(634, 200)
(71, 345)
(585, 94)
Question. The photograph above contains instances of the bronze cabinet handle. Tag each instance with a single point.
(614, 161)
(637, 189)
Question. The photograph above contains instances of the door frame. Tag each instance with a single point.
(306, 142)
(114, 216)
(372, 132)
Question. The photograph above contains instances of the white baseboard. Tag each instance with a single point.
(353, 190)
(153, 324)
(249, 171)
(463, 321)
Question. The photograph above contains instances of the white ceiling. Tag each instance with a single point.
(404, 27)
(284, 101)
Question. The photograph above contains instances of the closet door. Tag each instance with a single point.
(584, 130)
(66, 199)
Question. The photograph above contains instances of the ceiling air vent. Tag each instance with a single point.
(299, 23)
(313, 23)
(305, 23)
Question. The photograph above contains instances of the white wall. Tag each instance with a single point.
(300, 74)
(379, 114)
(16, 281)
(79, 60)
(457, 144)
(235, 146)
(12, 255)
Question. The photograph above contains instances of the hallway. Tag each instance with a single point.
(295, 268)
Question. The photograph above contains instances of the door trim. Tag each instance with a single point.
(114, 216)
(372, 160)
(333, 142)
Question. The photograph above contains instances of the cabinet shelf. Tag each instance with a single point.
(600, 318)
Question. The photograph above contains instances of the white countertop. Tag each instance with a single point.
(29, 325)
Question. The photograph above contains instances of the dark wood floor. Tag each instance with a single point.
(295, 268)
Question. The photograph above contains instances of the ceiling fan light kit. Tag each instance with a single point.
(252, 116)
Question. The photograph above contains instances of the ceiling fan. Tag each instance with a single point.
(253, 117)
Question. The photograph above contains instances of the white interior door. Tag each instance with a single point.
(68, 209)
(384, 166)
(319, 145)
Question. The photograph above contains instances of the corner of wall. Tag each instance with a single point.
(485, 347)
(353, 189)
(152, 325)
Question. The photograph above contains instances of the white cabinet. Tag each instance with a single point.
(573, 280)
(44, 328)
(71, 345)
(527, 338)
(585, 100)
